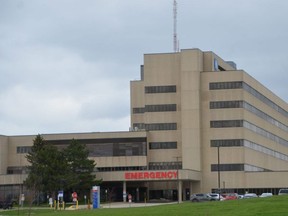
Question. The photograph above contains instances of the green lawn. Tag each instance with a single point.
(277, 205)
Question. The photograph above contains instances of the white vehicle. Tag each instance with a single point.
(283, 192)
(250, 195)
(215, 196)
(266, 195)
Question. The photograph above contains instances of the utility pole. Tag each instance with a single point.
(219, 186)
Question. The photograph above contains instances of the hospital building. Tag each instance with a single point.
(198, 124)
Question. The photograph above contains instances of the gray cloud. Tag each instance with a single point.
(65, 65)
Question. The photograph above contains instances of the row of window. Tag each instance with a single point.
(160, 89)
(237, 167)
(113, 169)
(23, 149)
(138, 110)
(248, 144)
(249, 126)
(246, 87)
(105, 149)
(163, 145)
(155, 126)
(227, 143)
(165, 165)
(265, 150)
(264, 116)
(249, 107)
(117, 149)
(226, 123)
(264, 99)
(226, 85)
(265, 133)
(17, 170)
(226, 104)
(155, 108)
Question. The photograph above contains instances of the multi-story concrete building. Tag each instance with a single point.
(197, 125)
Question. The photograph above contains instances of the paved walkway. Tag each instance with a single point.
(126, 205)
(131, 205)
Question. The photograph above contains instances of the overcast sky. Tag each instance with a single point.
(66, 65)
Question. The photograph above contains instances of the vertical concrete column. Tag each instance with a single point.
(180, 184)
(147, 191)
(191, 188)
(124, 191)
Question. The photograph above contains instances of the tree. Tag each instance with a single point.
(51, 170)
(48, 167)
(80, 166)
(34, 180)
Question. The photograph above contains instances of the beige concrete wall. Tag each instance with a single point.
(191, 65)
(209, 62)
(120, 161)
(137, 100)
(18, 141)
(161, 69)
(239, 154)
(12, 179)
(3, 154)
(15, 159)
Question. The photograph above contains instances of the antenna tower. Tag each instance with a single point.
(175, 40)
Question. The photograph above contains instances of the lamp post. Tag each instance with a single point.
(218, 169)
(177, 165)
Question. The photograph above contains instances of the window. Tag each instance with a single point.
(250, 108)
(249, 89)
(226, 143)
(117, 149)
(23, 149)
(226, 123)
(160, 108)
(109, 147)
(112, 169)
(226, 85)
(16, 170)
(160, 89)
(226, 104)
(139, 126)
(165, 165)
(227, 167)
(163, 145)
(250, 145)
(138, 110)
(237, 167)
(264, 133)
(161, 126)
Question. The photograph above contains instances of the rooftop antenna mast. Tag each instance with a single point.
(175, 40)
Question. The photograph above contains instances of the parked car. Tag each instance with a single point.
(215, 196)
(266, 195)
(240, 196)
(200, 197)
(250, 195)
(6, 204)
(283, 192)
(231, 196)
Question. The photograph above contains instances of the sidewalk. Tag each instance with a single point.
(126, 205)
(132, 205)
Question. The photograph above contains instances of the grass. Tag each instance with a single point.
(277, 205)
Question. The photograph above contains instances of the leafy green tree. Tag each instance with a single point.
(81, 167)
